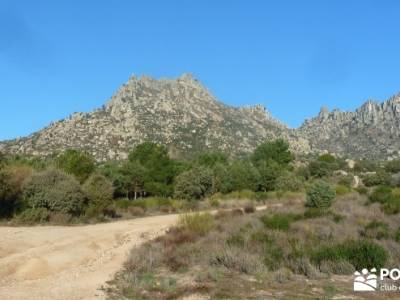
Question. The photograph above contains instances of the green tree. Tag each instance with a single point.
(160, 169)
(212, 158)
(113, 171)
(194, 184)
(56, 191)
(222, 179)
(135, 176)
(244, 175)
(76, 163)
(269, 171)
(99, 191)
(277, 151)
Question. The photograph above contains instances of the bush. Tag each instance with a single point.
(360, 253)
(194, 184)
(362, 190)
(381, 194)
(376, 230)
(289, 182)
(320, 195)
(378, 178)
(393, 166)
(55, 191)
(76, 163)
(342, 190)
(12, 179)
(279, 221)
(34, 215)
(199, 223)
(99, 191)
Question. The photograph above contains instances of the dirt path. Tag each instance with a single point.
(59, 262)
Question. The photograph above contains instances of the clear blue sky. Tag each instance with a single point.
(58, 57)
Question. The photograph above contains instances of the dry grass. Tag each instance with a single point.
(206, 254)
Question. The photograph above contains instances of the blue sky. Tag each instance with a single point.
(59, 57)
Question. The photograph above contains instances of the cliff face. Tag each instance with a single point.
(180, 113)
(183, 115)
(372, 131)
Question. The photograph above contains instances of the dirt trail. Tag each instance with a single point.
(60, 262)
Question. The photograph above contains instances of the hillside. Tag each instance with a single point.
(373, 130)
(180, 113)
(183, 115)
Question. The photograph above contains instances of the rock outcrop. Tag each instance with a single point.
(183, 115)
(179, 113)
(371, 131)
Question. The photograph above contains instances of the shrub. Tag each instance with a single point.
(279, 221)
(320, 194)
(76, 163)
(341, 190)
(360, 253)
(346, 181)
(199, 223)
(289, 182)
(397, 235)
(378, 178)
(136, 211)
(249, 209)
(54, 190)
(362, 190)
(34, 215)
(194, 184)
(381, 194)
(99, 191)
(319, 169)
(12, 179)
(235, 259)
(392, 207)
(376, 230)
(393, 166)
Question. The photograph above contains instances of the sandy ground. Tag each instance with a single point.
(60, 262)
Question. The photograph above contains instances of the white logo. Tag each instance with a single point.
(366, 280)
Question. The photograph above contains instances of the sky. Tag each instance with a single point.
(60, 57)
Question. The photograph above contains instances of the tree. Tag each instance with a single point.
(114, 172)
(99, 191)
(212, 158)
(76, 163)
(56, 191)
(244, 175)
(160, 169)
(135, 176)
(269, 171)
(222, 179)
(194, 184)
(277, 151)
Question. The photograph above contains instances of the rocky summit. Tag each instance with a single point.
(372, 131)
(183, 115)
(179, 113)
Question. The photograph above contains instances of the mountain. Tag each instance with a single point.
(372, 131)
(179, 113)
(183, 115)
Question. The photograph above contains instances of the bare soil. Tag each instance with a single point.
(69, 262)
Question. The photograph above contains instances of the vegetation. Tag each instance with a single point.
(320, 195)
(149, 181)
(281, 250)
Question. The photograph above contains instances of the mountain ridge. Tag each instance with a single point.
(185, 116)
